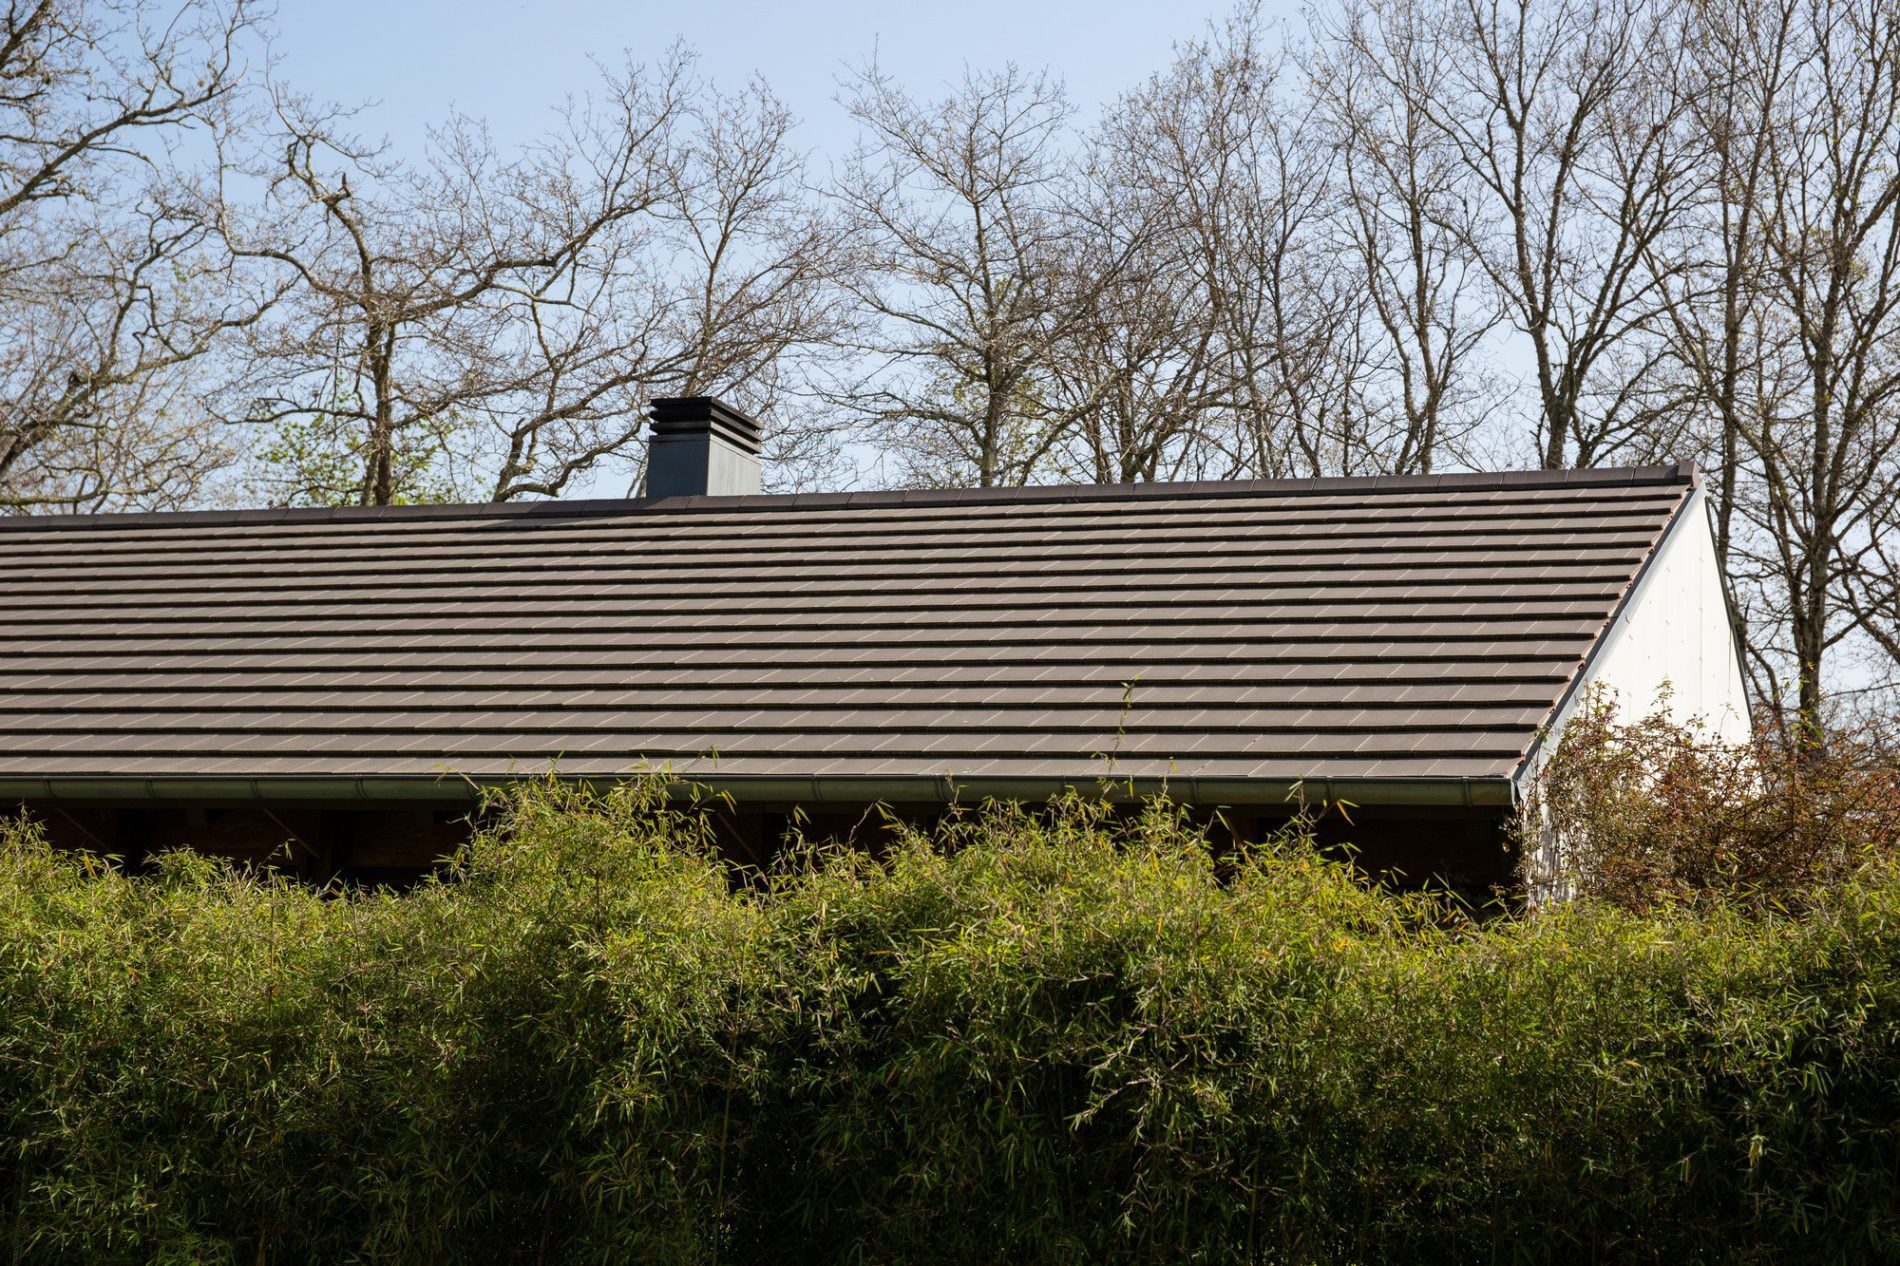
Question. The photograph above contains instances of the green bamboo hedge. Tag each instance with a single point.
(1058, 1038)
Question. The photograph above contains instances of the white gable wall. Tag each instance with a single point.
(1675, 631)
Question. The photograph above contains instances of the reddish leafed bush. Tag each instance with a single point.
(1654, 811)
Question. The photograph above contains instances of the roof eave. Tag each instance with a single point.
(1492, 792)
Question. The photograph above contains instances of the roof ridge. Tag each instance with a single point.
(1208, 489)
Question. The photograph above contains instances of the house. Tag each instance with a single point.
(340, 679)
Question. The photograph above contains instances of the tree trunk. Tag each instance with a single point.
(380, 468)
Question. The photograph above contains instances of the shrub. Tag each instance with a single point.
(1050, 1037)
(1655, 811)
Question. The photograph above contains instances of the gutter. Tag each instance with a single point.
(1498, 792)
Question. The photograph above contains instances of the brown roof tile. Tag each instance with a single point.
(1369, 628)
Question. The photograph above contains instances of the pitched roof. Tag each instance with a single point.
(1409, 631)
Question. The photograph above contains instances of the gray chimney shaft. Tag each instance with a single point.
(702, 448)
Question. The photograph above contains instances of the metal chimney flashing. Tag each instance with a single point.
(699, 447)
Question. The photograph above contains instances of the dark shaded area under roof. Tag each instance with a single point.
(1222, 637)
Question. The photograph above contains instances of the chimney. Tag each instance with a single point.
(701, 448)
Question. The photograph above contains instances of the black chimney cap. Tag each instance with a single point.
(706, 415)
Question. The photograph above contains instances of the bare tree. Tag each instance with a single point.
(1137, 379)
(1234, 346)
(727, 292)
(1293, 328)
(1141, 374)
(1780, 289)
(490, 325)
(105, 377)
(1872, 592)
(1404, 229)
(960, 212)
(109, 299)
(1822, 426)
(1725, 346)
(1268, 259)
(1714, 280)
(1571, 120)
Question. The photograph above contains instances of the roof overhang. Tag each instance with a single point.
(922, 789)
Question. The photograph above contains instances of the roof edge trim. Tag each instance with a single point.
(1601, 476)
(1498, 792)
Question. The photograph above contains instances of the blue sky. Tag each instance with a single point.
(508, 62)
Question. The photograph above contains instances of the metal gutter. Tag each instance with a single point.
(1499, 792)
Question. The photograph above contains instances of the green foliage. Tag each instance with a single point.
(1048, 1037)
(319, 459)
